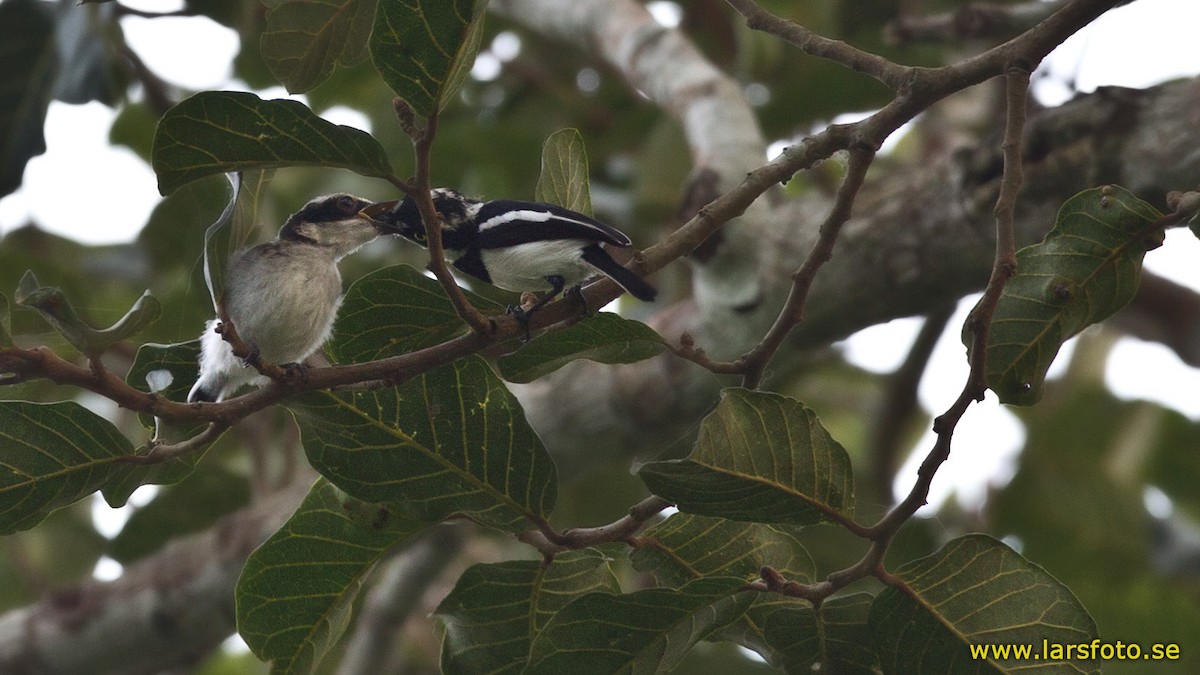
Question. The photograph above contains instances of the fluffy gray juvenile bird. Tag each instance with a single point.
(282, 296)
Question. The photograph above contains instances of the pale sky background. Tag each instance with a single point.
(1147, 42)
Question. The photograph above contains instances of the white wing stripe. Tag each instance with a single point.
(530, 215)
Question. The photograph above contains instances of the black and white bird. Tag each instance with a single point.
(282, 296)
(516, 245)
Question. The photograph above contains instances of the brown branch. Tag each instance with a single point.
(973, 21)
(161, 452)
(899, 405)
(687, 349)
(1003, 267)
(550, 542)
(892, 74)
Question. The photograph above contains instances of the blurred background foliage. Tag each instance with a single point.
(1104, 493)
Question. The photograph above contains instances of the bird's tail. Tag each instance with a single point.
(635, 285)
(206, 390)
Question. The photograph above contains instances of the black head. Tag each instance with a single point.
(404, 218)
(303, 225)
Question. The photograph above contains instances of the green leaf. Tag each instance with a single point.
(28, 69)
(52, 455)
(154, 366)
(760, 457)
(54, 307)
(604, 338)
(648, 631)
(1086, 269)
(450, 441)
(193, 505)
(220, 131)
(305, 39)
(495, 610)
(393, 311)
(424, 49)
(233, 229)
(780, 628)
(295, 594)
(564, 177)
(791, 635)
(5, 329)
(688, 547)
(976, 591)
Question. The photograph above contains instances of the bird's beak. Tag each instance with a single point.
(376, 213)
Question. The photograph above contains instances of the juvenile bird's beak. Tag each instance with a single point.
(377, 213)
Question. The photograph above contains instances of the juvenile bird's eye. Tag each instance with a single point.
(347, 204)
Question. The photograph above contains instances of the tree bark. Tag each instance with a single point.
(170, 609)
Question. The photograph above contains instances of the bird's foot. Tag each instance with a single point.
(522, 316)
(577, 291)
(253, 357)
(294, 373)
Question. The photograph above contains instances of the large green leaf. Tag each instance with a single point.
(564, 177)
(791, 635)
(1086, 269)
(425, 48)
(52, 455)
(220, 131)
(687, 547)
(605, 338)
(447, 442)
(977, 591)
(28, 69)
(305, 39)
(295, 594)
(495, 610)
(169, 371)
(782, 629)
(644, 632)
(57, 310)
(393, 311)
(5, 331)
(760, 457)
(233, 229)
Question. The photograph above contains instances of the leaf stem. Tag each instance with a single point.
(423, 145)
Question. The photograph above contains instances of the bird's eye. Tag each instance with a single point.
(347, 204)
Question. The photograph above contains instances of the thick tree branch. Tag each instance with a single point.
(973, 21)
(173, 607)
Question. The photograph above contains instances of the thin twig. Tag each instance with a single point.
(550, 542)
(893, 75)
(687, 349)
(756, 360)
(159, 453)
(1004, 265)
(423, 147)
(899, 404)
(974, 21)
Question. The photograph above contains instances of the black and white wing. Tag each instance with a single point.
(504, 223)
